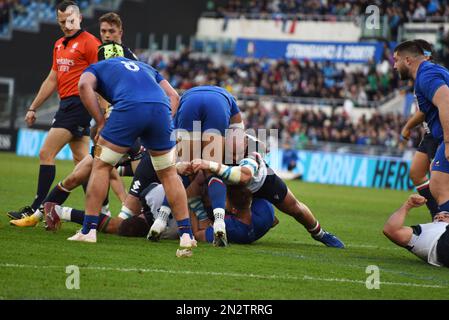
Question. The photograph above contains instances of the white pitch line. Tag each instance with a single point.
(225, 274)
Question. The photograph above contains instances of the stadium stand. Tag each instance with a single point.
(281, 78)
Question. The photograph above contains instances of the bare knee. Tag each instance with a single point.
(47, 156)
(417, 177)
(72, 181)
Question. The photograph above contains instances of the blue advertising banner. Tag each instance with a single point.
(345, 169)
(351, 52)
(30, 141)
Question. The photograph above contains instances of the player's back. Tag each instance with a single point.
(430, 77)
(200, 90)
(123, 82)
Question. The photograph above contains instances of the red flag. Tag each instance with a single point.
(293, 26)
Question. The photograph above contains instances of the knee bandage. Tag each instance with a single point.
(107, 155)
(164, 161)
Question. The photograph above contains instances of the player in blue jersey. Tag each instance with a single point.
(204, 114)
(420, 166)
(141, 110)
(432, 93)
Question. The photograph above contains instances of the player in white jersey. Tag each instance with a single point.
(252, 172)
(429, 241)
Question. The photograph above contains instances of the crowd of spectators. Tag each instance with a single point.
(300, 127)
(306, 79)
(405, 9)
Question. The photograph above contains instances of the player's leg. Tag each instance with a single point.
(212, 150)
(80, 148)
(159, 140)
(55, 140)
(298, 210)
(117, 185)
(439, 179)
(176, 195)
(77, 177)
(418, 174)
(55, 214)
(107, 155)
(276, 191)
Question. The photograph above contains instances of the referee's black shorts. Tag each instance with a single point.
(73, 116)
(428, 145)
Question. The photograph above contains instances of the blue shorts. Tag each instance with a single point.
(210, 108)
(262, 219)
(152, 122)
(73, 116)
(440, 162)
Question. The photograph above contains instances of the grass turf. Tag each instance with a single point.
(285, 264)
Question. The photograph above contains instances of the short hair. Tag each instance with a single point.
(411, 47)
(65, 4)
(133, 227)
(425, 46)
(112, 18)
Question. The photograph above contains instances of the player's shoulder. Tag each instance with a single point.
(59, 42)
(429, 69)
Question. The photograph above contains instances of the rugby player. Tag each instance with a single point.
(254, 174)
(71, 55)
(429, 241)
(215, 110)
(432, 93)
(245, 225)
(426, 150)
(141, 110)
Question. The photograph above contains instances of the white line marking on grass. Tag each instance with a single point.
(225, 274)
(405, 284)
(369, 246)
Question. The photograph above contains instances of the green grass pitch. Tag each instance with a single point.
(285, 264)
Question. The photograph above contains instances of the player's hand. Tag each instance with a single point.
(184, 168)
(405, 134)
(30, 118)
(199, 164)
(415, 201)
(100, 127)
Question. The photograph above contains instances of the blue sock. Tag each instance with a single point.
(444, 206)
(217, 192)
(90, 222)
(165, 202)
(184, 226)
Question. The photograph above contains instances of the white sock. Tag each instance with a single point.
(219, 213)
(65, 213)
(125, 213)
(164, 213)
(38, 214)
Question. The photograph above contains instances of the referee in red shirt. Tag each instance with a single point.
(71, 55)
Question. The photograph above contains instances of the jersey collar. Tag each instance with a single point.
(67, 39)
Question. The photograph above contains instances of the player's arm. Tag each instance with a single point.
(172, 95)
(87, 86)
(241, 174)
(412, 122)
(394, 228)
(441, 101)
(47, 88)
